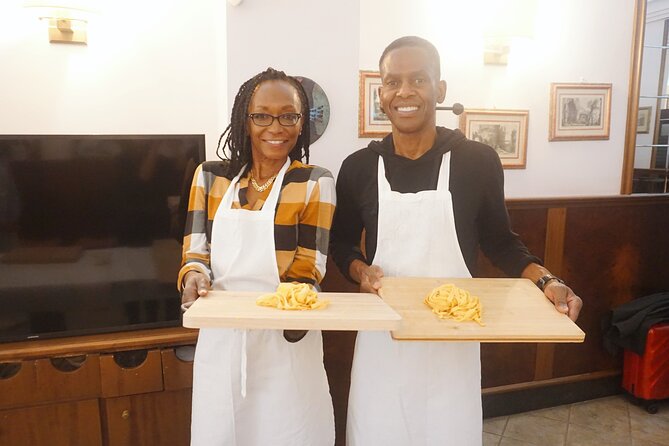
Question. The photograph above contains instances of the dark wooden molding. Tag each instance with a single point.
(543, 366)
(553, 254)
(508, 400)
(554, 249)
(636, 60)
(576, 202)
(109, 342)
(551, 382)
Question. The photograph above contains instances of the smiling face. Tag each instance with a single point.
(410, 90)
(274, 97)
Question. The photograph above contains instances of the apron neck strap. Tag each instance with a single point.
(272, 198)
(384, 184)
(444, 172)
(442, 181)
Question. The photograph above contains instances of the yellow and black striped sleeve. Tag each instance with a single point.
(302, 223)
(302, 220)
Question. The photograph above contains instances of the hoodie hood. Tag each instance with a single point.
(445, 141)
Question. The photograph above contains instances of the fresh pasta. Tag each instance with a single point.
(292, 296)
(449, 301)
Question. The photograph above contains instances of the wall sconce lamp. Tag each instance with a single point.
(496, 50)
(504, 21)
(67, 19)
(63, 30)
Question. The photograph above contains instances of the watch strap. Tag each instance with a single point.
(543, 281)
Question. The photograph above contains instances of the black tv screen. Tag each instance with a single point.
(90, 232)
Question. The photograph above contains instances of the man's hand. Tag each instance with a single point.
(564, 299)
(196, 285)
(369, 277)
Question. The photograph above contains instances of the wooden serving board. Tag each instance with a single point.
(346, 311)
(513, 310)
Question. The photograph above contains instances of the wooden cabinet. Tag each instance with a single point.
(125, 389)
(158, 418)
(142, 373)
(59, 424)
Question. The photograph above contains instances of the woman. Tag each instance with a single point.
(259, 218)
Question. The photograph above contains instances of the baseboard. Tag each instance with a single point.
(508, 400)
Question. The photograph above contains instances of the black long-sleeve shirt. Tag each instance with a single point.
(476, 184)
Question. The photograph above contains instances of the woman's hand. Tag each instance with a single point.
(196, 284)
(564, 299)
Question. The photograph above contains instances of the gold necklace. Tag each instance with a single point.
(263, 187)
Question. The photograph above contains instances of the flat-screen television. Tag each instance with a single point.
(90, 232)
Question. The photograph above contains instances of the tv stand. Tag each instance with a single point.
(127, 388)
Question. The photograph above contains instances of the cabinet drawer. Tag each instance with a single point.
(159, 418)
(68, 378)
(17, 383)
(178, 367)
(131, 372)
(64, 424)
(49, 380)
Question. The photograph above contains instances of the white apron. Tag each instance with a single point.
(416, 393)
(252, 387)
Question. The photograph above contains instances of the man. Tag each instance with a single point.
(427, 198)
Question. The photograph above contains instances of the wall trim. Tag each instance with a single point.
(523, 397)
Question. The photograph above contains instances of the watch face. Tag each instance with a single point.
(319, 108)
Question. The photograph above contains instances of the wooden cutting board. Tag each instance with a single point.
(513, 310)
(346, 311)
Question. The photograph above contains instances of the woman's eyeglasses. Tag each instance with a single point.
(265, 120)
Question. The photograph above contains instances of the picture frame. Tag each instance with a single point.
(372, 121)
(579, 112)
(503, 130)
(643, 119)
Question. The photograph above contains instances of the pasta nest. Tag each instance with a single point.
(292, 296)
(449, 301)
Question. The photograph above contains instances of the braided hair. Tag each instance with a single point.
(237, 140)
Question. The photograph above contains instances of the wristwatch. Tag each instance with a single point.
(543, 281)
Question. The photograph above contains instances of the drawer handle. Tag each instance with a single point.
(68, 363)
(9, 369)
(185, 353)
(125, 414)
(131, 358)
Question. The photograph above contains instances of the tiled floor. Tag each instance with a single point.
(611, 421)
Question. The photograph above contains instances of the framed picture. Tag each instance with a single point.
(372, 121)
(503, 130)
(580, 112)
(643, 120)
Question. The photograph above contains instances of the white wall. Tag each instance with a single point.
(315, 39)
(574, 41)
(150, 67)
(169, 66)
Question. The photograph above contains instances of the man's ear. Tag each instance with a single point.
(441, 87)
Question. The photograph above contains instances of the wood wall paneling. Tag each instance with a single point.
(613, 254)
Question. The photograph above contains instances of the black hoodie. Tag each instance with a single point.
(476, 184)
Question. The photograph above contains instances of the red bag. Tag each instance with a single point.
(646, 377)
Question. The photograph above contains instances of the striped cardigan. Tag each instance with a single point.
(302, 219)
